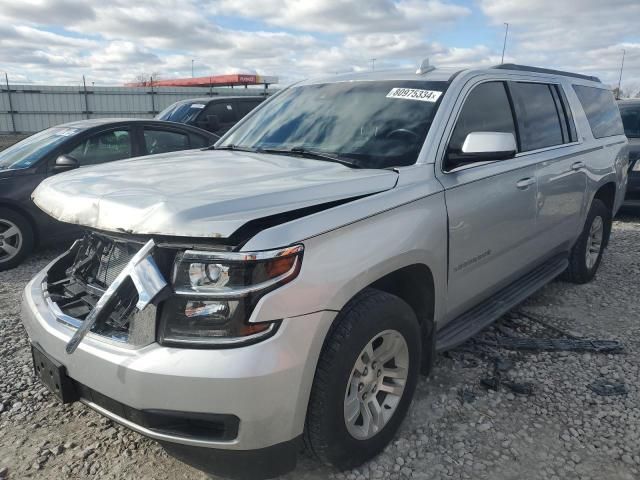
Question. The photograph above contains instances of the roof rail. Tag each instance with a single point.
(526, 68)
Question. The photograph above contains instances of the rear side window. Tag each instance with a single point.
(223, 110)
(601, 110)
(631, 120)
(245, 106)
(539, 121)
(486, 109)
(161, 141)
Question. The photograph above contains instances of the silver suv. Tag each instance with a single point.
(292, 282)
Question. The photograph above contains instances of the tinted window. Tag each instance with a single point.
(601, 110)
(199, 142)
(631, 120)
(103, 147)
(374, 124)
(486, 109)
(538, 118)
(245, 106)
(161, 141)
(223, 110)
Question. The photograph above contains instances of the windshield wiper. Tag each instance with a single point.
(328, 157)
(232, 147)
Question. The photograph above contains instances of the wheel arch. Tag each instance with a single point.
(606, 193)
(415, 285)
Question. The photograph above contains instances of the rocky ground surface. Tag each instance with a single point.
(485, 412)
(543, 421)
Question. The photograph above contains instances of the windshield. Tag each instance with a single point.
(29, 151)
(631, 120)
(182, 112)
(370, 124)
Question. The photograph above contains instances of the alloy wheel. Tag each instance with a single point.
(10, 240)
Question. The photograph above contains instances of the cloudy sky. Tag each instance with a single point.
(114, 41)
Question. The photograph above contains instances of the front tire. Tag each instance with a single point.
(365, 379)
(16, 238)
(586, 254)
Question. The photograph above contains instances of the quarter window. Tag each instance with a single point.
(486, 109)
(539, 121)
(103, 147)
(161, 141)
(631, 121)
(601, 111)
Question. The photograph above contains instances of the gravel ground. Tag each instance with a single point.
(456, 428)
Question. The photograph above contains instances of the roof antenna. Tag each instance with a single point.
(425, 67)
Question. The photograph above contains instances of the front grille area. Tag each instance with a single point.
(81, 278)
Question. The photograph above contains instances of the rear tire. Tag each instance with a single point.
(586, 254)
(364, 381)
(16, 238)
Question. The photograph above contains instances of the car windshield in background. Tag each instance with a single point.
(631, 120)
(369, 124)
(181, 112)
(30, 150)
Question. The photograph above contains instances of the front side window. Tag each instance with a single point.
(370, 124)
(486, 109)
(103, 147)
(539, 121)
(224, 111)
(162, 141)
(600, 108)
(631, 120)
(31, 150)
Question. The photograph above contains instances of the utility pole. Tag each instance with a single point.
(373, 64)
(504, 45)
(11, 112)
(620, 78)
(192, 60)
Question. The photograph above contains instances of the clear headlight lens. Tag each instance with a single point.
(216, 292)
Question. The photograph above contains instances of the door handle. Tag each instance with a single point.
(524, 183)
(577, 166)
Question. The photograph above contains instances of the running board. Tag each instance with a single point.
(484, 314)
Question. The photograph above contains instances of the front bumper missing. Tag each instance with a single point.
(147, 280)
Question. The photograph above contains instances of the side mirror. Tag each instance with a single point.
(212, 123)
(487, 146)
(64, 163)
(484, 147)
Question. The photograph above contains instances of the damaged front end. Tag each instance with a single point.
(135, 292)
(109, 287)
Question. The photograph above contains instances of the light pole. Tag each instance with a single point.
(192, 60)
(504, 45)
(620, 78)
(373, 64)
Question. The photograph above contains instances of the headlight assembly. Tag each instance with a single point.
(216, 292)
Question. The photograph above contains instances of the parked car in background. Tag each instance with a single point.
(294, 281)
(215, 114)
(78, 144)
(630, 112)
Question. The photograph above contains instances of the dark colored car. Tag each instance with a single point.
(630, 112)
(89, 142)
(216, 115)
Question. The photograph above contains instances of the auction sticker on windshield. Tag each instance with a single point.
(414, 94)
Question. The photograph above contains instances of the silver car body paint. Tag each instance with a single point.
(474, 230)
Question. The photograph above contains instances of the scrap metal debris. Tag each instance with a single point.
(500, 368)
(607, 388)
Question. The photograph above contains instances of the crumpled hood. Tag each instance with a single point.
(199, 193)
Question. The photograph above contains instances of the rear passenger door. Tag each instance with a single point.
(548, 137)
(491, 205)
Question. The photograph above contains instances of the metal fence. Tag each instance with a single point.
(31, 108)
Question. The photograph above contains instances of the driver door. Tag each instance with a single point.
(491, 205)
